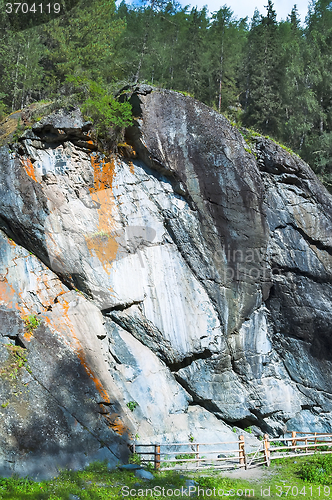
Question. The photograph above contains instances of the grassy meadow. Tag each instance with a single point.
(303, 477)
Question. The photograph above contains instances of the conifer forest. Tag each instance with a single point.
(274, 77)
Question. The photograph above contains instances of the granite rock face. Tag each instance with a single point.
(179, 293)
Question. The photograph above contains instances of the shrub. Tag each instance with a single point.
(17, 359)
(185, 456)
(135, 458)
(31, 323)
(100, 107)
(317, 470)
(132, 405)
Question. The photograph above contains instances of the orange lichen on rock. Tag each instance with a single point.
(131, 167)
(97, 382)
(29, 168)
(68, 329)
(28, 336)
(103, 243)
(7, 294)
(105, 247)
(114, 422)
(10, 297)
(103, 173)
(126, 150)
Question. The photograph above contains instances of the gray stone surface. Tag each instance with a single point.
(180, 294)
(144, 474)
(191, 482)
(129, 467)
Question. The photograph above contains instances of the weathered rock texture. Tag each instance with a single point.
(193, 280)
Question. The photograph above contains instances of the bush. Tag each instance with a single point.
(135, 458)
(100, 107)
(132, 405)
(317, 470)
(16, 360)
(31, 323)
(185, 456)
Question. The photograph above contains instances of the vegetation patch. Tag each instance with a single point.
(186, 94)
(135, 458)
(282, 146)
(317, 469)
(16, 360)
(99, 106)
(31, 323)
(294, 478)
(248, 135)
(132, 405)
(268, 74)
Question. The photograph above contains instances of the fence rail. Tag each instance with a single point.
(197, 456)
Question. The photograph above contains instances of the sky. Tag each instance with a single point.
(243, 8)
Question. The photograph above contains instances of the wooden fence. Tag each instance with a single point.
(299, 444)
(231, 454)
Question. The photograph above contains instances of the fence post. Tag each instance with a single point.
(315, 441)
(242, 452)
(267, 450)
(157, 456)
(197, 455)
(306, 445)
(293, 439)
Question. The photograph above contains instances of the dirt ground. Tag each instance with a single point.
(252, 474)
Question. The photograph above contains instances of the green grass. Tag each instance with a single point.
(318, 469)
(186, 94)
(16, 360)
(249, 136)
(300, 477)
(286, 148)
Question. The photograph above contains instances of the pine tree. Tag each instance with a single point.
(298, 98)
(226, 39)
(191, 75)
(82, 43)
(20, 69)
(264, 73)
(318, 143)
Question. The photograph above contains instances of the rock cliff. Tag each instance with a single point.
(180, 290)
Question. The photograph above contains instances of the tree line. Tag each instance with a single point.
(274, 77)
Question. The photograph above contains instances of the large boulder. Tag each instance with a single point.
(178, 293)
